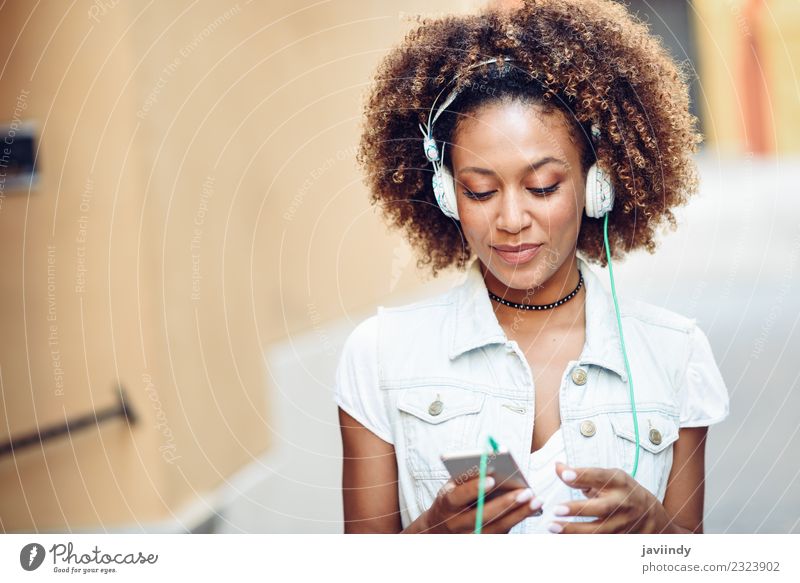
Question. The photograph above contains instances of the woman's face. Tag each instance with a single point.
(520, 191)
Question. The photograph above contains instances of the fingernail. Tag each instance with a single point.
(560, 510)
(568, 475)
(489, 483)
(525, 495)
(554, 527)
(536, 503)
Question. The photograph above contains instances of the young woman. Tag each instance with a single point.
(525, 113)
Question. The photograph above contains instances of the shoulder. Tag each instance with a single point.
(398, 322)
(679, 344)
(418, 332)
(362, 339)
(434, 302)
(429, 311)
(667, 336)
(653, 320)
(657, 317)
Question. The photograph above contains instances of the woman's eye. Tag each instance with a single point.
(537, 191)
(544, 191)
(479, 195)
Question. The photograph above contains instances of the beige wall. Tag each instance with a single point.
(73, 75)
(204, 138)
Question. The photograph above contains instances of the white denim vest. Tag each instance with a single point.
(451, 348)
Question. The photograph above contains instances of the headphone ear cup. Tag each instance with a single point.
(445, 190)
(599, 192)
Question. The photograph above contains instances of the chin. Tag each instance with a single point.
(526, 276)
(524, 282)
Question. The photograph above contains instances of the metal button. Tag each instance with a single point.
(655, 436)
(579, 376)
(436, 407)
(587, 428)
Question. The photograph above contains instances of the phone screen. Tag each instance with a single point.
(466, 465)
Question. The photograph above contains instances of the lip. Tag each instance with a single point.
(517, 254)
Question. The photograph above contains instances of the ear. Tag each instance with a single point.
(448, 199)
(599, 192)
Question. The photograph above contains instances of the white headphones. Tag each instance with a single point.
(599, 190)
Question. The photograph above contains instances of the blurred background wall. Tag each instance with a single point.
(198, 236)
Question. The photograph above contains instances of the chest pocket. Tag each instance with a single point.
(438, 420)
(658, 431)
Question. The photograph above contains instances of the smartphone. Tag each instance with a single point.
(464, 465)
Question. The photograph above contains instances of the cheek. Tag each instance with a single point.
(564, 214)
(475, 222)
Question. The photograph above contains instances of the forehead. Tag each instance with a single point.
(515, 124)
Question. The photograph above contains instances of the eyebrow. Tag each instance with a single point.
(534, 166)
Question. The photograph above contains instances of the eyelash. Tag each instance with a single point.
(543, 192)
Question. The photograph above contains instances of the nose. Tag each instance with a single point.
(514, 214)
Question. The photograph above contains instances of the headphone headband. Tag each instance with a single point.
(454, 93)
(431, 151)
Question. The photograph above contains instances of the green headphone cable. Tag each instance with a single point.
(622, 342)
(482, 484)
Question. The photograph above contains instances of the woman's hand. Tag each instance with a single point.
(452, 512)
(619, 502)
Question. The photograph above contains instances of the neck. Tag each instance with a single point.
(560, 284)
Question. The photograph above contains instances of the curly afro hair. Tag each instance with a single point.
(592, 60)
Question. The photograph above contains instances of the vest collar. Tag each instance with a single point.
(475, 323)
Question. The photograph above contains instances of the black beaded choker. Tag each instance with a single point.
(563, 300)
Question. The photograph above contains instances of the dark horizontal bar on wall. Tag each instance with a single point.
(121, 409)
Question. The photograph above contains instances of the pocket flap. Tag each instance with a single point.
(656, 430)
(436, 405)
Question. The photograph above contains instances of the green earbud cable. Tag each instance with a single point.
(482, 484)
(622, 341)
